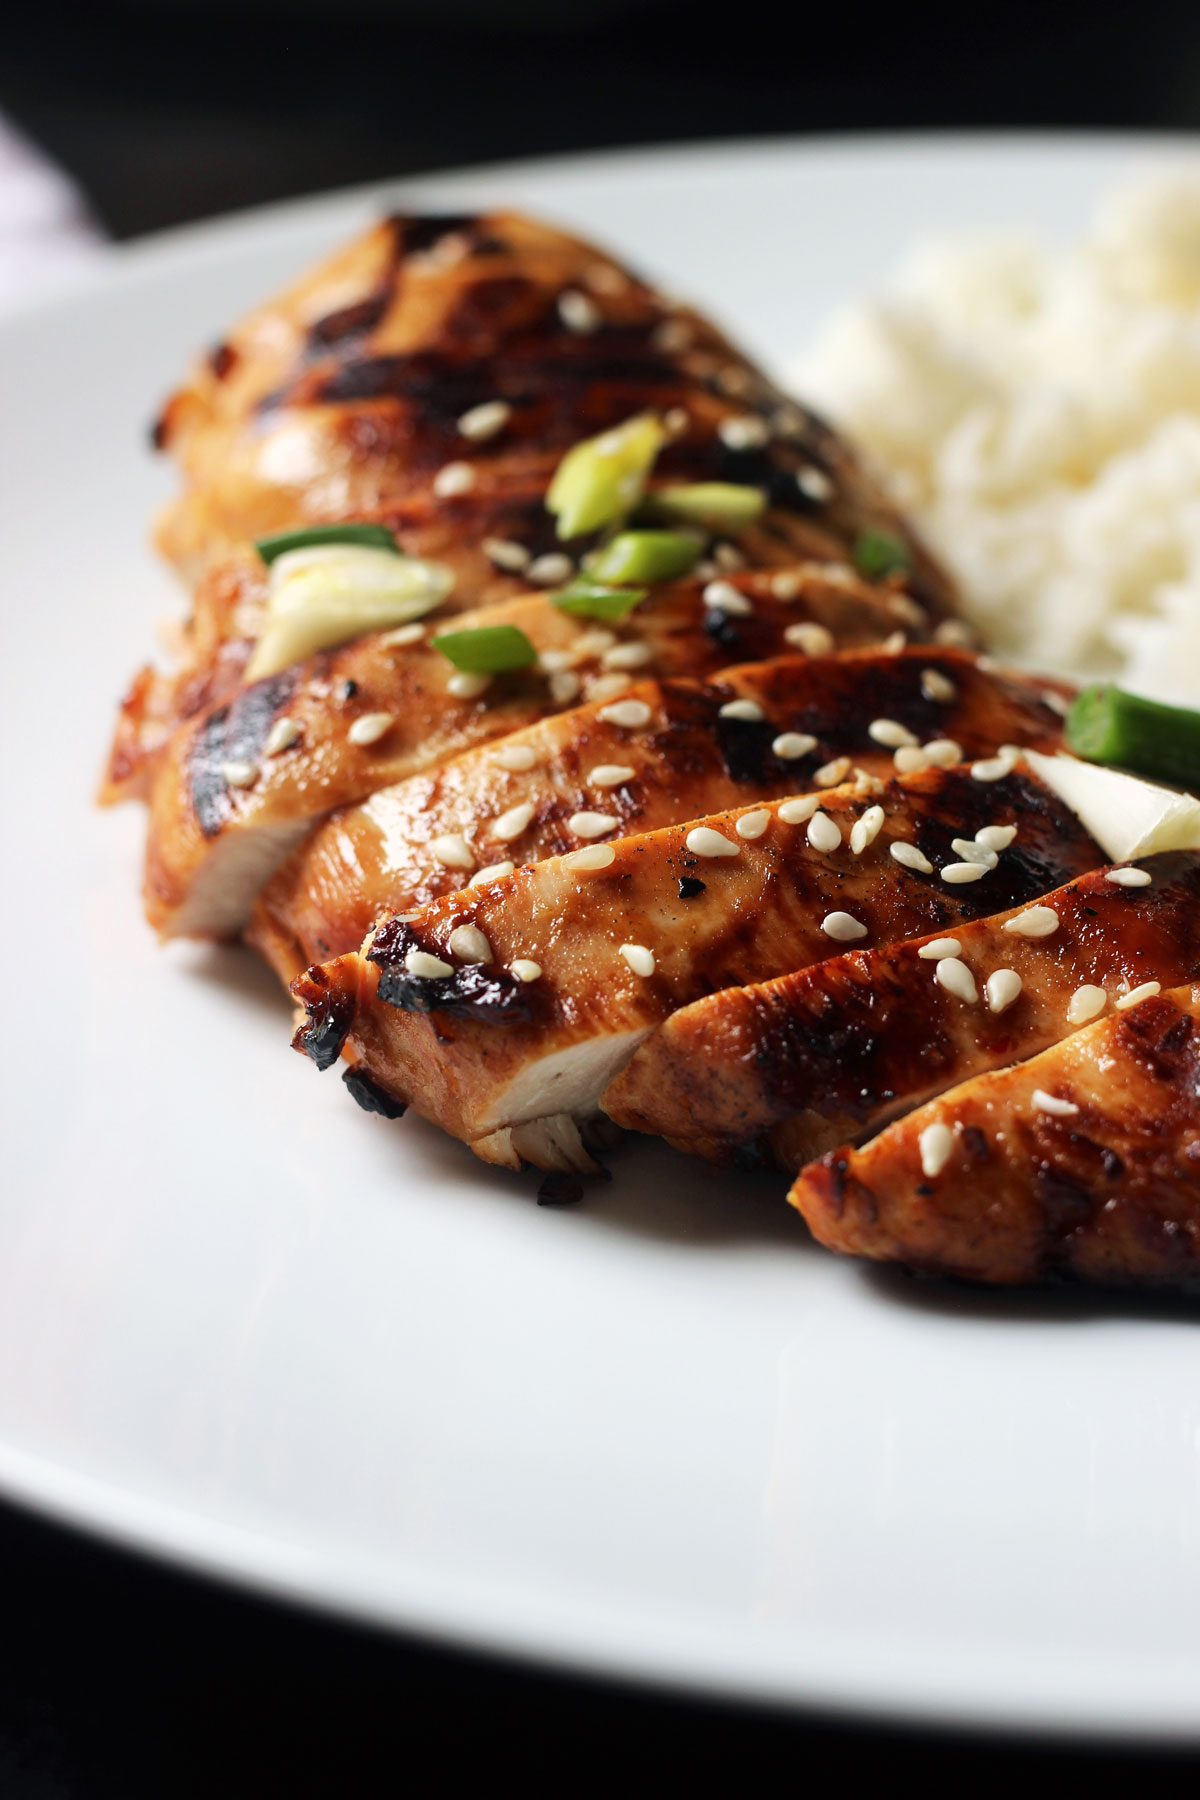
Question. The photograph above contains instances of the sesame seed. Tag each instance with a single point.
(1128, 877)
(959, 872)
(371, 727)
(814, 640)
(942, 753)
(910, 759)
(1056, 702)
(995, 837)
(640, 960)
(512, 823)
(830, 773)
(753, 824)
(676, 419)
(734, 379)
(728, 557)
(282, 736)
(485, 421)
(935, 1143)
(993, 768)
(627, 656)
(702, 840)
(936, 948)
(971, 850)
(936, 686)
(401, 637)
(1050, 1103)
(1002, 987)
(626, 713)
(469, 944)
(1086, 1003)
(787, 421)
(506, 554)
(602, 278)
(954, 632)
(611, 775)
(1139, 993)
(466, 686)
(864, 831)
(1034, 922)
(526, 970)
(787, 584)
(909, 857)
(578, 312)
(591, 824)
(452, 851)
(824, 833)
(238, 774)
(747, 432)
(742, 709)
(551, 569)
(903, 606)
(956, 978)
(790, 745)
(517, 758)
(493, 872)
(672, 336)
(795, 812)
(891, 733)
(728, 599)
(815, 484)
(840, 574)
(453, 478)
(595, 642)
(606, 687)
(552, 662)
(564, 686)
(426, 967)
(596, 856)
(842, 928)
(894, 642)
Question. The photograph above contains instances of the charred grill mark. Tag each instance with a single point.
(371, 1097)
(349, 322)
(330, 1012)
(690, 886)
(474, 991)
(222, 358)
(234, 733)
(745, 746)
(422, 231)
(560, 1189)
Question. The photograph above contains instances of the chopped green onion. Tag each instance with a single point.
(645, 556)
(593, 600)
(372, 537)
(491, 650)
(721, 505)
(879, 553)
(601, 480)
(327, 594)
(1107, 725)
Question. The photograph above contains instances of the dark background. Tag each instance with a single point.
(118, 1678)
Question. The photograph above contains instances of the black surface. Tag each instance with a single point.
(118, 1677)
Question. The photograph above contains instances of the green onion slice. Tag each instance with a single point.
(720, 505)
(645, 556)
(879, 553)
(1108, 725)
(491, 650)
(600, 481)
(373, 537)
(593, 600)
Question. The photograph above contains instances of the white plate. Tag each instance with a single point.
(246, 1325)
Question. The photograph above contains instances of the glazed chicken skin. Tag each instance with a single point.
(664, 751)
(502, 1012)
(788, 1069)
(213, 840)
(1082, 1164)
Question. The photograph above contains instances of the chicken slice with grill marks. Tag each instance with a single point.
(790, 1068)
(346, 396)
(1082, 1164)
(667, 751)
(502, 1013)
(213, 843)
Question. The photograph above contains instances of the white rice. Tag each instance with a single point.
(1038, 412)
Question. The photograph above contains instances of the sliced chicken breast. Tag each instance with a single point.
(516, 1003)
(668, 751)
(1082, 1164)
(790, 1068)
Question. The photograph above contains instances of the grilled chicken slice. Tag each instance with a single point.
(212, 842)
(790, 1068)
(1082, 1164)
(503, 1012)
(668, 751)
(346, 396)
